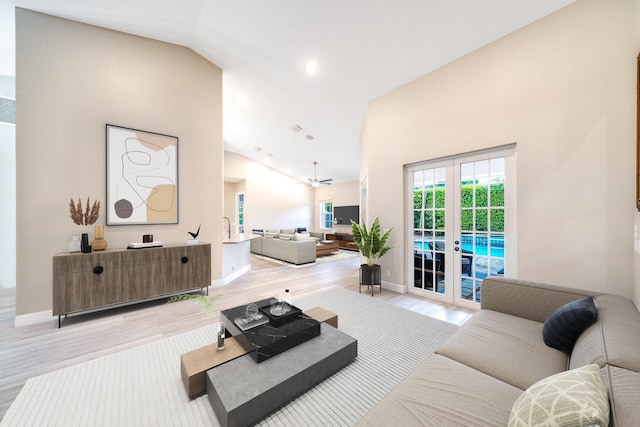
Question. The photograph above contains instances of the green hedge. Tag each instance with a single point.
(434, 203)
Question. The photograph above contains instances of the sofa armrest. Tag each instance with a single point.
(529, 300)
(317, 235)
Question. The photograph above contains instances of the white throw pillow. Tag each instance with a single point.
(301, 236)
(571, 398)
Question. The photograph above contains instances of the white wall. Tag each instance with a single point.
(272, 200)
(72, 79)
(563, 89)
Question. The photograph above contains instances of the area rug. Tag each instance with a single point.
(142, 386)
(342, 254)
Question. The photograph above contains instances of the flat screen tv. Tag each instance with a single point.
(343, 215)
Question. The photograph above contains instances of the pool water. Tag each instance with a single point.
(497, 246)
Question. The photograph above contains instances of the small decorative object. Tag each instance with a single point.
(221, 334)
(194, 236)
(84, 244)
(280, 306)
(87, 217)
(74, 244)
(372, 245)
(251, 311)
(98, 243)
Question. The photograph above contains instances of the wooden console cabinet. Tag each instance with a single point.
(101, 279)
(345, 240)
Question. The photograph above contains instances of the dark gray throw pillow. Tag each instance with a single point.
(566, 323)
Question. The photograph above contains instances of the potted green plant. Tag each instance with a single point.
(372, 245)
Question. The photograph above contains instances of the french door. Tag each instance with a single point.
(462, 224)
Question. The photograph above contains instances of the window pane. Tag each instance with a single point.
(428, 199)
(440, 216)
(466, 196)
(481, 220)
(497, 220)
(497, 194)
(482, 172)
(428, 220)
(466, 220)
(417, 199)
(482, 196)
(439, 196)
(417, 220)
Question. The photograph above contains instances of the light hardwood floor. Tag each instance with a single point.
(34, 350)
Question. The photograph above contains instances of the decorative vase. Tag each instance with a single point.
(74, 244)
(84, 243)
(98, 243)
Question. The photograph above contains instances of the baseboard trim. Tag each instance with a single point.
(237, 274)
(395, 287)
(33, 318)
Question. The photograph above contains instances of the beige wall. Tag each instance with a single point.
(272, 200)
(72, 79)
(563, 89)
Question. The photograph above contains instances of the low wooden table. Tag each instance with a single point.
(327, 248)
(195, 364)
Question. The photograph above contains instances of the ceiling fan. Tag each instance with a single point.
(315, 182)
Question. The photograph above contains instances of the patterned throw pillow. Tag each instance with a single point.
(572, 398)
(564, 326)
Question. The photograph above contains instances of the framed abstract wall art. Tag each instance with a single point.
(142, 177)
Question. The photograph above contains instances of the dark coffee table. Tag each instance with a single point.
(242, 392)
(280, 334)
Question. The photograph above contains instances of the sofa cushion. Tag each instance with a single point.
(500, 345)
(301, 236)
(287, 231)
(573, 398)
(283, 236)
(270, 235)
(613, 338)
(566, 323)
(443, 392)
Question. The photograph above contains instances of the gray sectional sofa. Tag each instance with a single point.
(287, 245)
(498, 359)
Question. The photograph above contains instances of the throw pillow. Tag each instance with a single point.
(566, 323)
(301, 236)
(572, 398)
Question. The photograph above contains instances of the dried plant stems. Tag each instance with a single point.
(88, 216)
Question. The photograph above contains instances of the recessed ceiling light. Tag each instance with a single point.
(311, 66)
(309, 137)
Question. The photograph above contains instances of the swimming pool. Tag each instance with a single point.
(481, 247)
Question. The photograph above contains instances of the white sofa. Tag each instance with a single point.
(286, 245)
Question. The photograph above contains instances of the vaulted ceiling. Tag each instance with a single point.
(362, 48)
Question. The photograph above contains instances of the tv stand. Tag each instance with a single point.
(345, 240)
